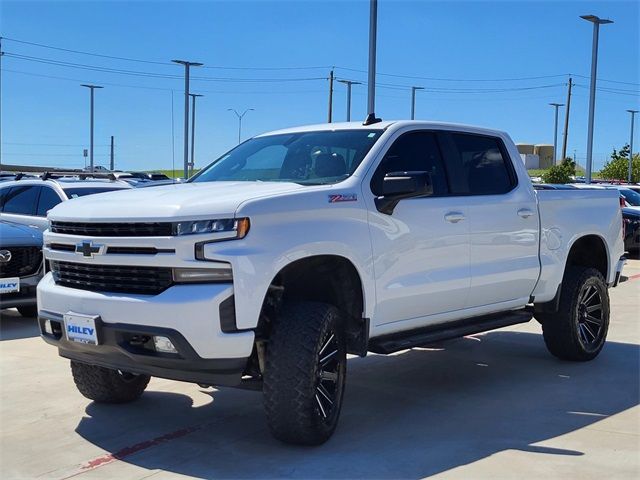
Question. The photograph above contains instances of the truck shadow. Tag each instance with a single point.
(14, 326)
(409, 415)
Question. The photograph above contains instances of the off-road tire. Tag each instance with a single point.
(564, 331)
(28, 310)
(104, 385)
(296, 375)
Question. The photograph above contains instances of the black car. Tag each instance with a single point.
(20, 267)
(631, 219)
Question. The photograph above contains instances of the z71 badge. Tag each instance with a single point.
(343, 197)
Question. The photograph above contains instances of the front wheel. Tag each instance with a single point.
(305, 373)
(579, 329)
(104, 385)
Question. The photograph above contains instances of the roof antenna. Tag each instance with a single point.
(371, 83)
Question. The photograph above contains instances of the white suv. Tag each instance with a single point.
(27, 200)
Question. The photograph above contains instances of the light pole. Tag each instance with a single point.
(91, 89)
(413, 101)
(239, 119)
(633, 114)
(592, 93)
(348, 83)
(193, 128)
(371, 77)
(187, 65)
(555, 133)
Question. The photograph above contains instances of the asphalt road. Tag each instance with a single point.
(493, 406)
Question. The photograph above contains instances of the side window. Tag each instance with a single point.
(480, 166)
(3, 195)
(21, 200)
(48, 199)
(417, 152)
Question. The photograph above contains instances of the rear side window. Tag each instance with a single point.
(480, 164)
(21, 200)
(413, 152)
(48, 199)
(3, 195)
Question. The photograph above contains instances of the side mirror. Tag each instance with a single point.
(398, 186)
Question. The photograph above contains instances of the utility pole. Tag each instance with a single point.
(555, 132)
(193, 128)
(371, 80)
(413, 101)
(239, 119)
(112, 163)
(633, 114)
(592, 90)
(187, 66)
(91, 88)
(330, 96)
(348, 83)
(566, 121)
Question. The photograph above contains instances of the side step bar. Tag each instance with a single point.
(425, 335)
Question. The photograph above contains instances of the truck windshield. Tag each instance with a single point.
(307, 158)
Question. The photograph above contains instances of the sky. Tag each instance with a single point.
(493, 64)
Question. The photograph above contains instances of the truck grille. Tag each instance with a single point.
(157, 229)
(24, 261)
(112, 278)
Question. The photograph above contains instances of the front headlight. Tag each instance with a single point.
(225, 228)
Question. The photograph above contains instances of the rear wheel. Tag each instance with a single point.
(28, 310)
(105, 385)
(579, 329)
(305, 373)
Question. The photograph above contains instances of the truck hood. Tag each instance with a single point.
(180, 201)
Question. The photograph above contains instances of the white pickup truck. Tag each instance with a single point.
(301, 246)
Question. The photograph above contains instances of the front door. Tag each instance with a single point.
(421, 251)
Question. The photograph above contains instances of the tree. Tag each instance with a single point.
(561, 173)
(617, 167)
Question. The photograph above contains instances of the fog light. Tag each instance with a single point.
(47, 327)
(164, 345)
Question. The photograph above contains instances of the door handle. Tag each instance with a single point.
(454, 217)
(525, 213)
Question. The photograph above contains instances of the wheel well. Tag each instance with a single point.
(323, 278)
(589, 251)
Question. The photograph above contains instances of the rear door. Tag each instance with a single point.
(502, 217)
(421, 251)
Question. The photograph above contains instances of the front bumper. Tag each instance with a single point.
(25, 297)
(118, 351)
(190, 314)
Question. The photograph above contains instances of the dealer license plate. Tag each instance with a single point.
(81, 328)
(9, 285)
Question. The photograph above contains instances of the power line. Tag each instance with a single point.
(318, 67)
(138, 73)
(156, 62)
(415, 77)
(52, 144)
(263, 92)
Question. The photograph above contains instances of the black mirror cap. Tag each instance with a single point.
(398, 186)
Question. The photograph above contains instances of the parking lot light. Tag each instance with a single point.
(592, 90)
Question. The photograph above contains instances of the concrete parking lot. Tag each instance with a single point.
(495, 405)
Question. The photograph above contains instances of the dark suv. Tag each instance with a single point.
(20, 267)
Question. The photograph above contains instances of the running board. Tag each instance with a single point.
(425, 335)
